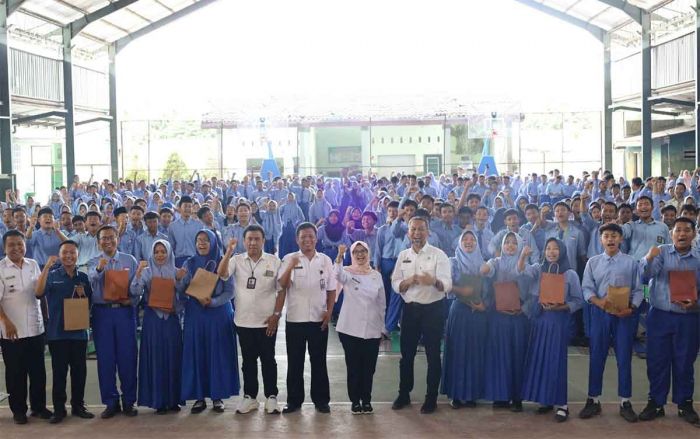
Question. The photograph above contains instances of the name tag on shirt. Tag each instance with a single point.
(659, 239)
(269, 273)
(406, 261)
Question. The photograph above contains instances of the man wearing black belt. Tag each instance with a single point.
(422, 276)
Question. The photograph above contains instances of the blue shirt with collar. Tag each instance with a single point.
(619, 270)
(658, 273)
(120, 261)
(643, 236)
(43, 243)
(60, 286)
(182, 234)
(143, 246)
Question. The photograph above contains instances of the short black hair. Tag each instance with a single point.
(465, 210)
(11, 233)
(428, 197)
(165, 210)
(393, 203)
(561, 203)
(532, 207)
(184, 199)
(680, 219)
(610, 227)
(68, 242)
(610, 203)
(151, 215)
(410, 203)
(689, 208)
(446, 205)
(306, 225)
(624, 206)
(668, 208)
(254, 228)
(78, 218)
(120, 210)
(45, 211)
(203, 211)
(645, 197)
(473, 196)
(510, 212)
(137, 207)
(423, 213)
(19, 209)
(103, 228)
(92, 213)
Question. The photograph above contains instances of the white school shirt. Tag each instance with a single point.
(254, 306)
(306, 297)
(429, 260)
(17, 297)
(364, 304)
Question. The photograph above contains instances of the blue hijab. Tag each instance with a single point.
(562, 263)
(468, 261)
(167, 270)
(208, 262)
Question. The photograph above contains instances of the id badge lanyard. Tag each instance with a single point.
(252, 281)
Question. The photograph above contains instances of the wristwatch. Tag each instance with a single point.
(277, 313)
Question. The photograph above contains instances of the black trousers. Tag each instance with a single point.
(428, 322)
(24, 358)
(68, 354)
(256, 344)
(298, 335)
(361, 361)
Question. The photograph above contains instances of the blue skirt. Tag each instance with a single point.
(465, 350)
(210, 359)
(546, 362)
(505, 356)
(160, 361)
(288, 241)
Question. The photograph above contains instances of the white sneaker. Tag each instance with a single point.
(271, 405)
(247, 405)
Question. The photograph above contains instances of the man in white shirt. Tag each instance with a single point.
(308, 279)
(422, 277)
(258, 302)
(22, 330)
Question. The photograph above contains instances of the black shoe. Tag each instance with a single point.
(81, 412)
(20, 419)
(174, 409)
(198, 407)
(688, 413)
(356, 408)
(130, 411)
(469, 404)
(400, 402)
(162, 412)
(591, 409)
(428, 406)
(290, 408)
(516, 407)
(41, 414)
(627, 413)
(501, 404)
(456, 404)
(651, 412)
(219, 406)
(561, 415)
(110, 411)
(367, 408)
(58, 417)
(323, 408)
(544, 409)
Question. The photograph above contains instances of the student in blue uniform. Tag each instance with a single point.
(331, 235)
(610, 326)
(272, 224)
(508, 334)
(385, 254)
(209, 360)
(182, 231)
(292, 216)
(467, 326)
(160, 356)
(68, 348)
(672, 326)
(546, 360)
(114, 327)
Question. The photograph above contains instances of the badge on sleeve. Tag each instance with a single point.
(251, 283)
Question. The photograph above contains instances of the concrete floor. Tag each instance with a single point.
(480, 422)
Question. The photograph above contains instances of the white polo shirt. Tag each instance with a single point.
(18, 299)
(254, 306)
(364, 304)
(311, 281)
(429, 260)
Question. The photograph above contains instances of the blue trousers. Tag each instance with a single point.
(672, 347)
(394, 300)
(114, 332)
(606, 330)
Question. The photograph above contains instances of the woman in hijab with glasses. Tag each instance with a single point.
(360, 323)
(467, 326)
(209, 360)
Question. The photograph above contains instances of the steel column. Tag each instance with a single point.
(114, 123)
(646, 94)
(68, 104)
(607, 103)
(697, 83)
(5, 112)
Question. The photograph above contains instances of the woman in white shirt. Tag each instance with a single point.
(360, 323)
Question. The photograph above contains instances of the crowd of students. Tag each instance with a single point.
(508, 270)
